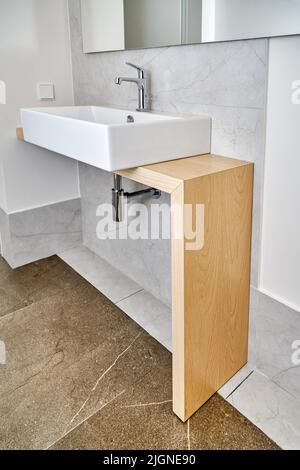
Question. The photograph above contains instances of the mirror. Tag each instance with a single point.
(110, 25)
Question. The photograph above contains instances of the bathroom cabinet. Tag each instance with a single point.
(210, 285)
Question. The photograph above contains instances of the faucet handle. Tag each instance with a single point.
(141, 70)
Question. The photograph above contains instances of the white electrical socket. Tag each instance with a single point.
(45, 91)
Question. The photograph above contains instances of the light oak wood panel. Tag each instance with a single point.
(178, 285)
(152, 178)
(216, 288)
(194, 167)
(19, 133)
(210, 287)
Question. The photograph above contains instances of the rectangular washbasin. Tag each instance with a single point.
(116, 139)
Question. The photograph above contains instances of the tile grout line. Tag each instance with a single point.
(238, 386)
(291, 395)
(129, 296)
(120, 300)
(84, 276)
(280, 386)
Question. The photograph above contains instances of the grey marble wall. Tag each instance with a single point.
(5, 240)
(274, 328)
(227, 81)
(147, 262)
(38, 233)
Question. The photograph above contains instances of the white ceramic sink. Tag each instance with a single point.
(102, 137)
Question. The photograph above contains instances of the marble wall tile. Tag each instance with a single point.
(38, 233)
(270, 408)
(236, 381)
(227, 81)
(273, 329)
(151, 314)
(5, 239)
(146, 262)
(104, 277)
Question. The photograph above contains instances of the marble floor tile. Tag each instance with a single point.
(151, 314)
(270, 408)
(28, 284)
(80, 374)
(37, 416)
(236, 381)
(104, 277)
(50, 335)
(5, 269)
(67, 357)
(142, 418)
(217, 426)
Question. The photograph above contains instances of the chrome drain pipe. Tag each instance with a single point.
(119, 197)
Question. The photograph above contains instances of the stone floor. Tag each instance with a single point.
(80, 374)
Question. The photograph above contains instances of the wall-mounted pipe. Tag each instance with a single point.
(119, 197)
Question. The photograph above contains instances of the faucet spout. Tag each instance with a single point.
(139, 82)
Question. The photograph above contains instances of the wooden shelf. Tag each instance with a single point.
(167, 176)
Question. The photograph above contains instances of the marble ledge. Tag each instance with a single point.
(38, 233)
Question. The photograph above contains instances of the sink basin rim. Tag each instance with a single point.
(116, 146)
(160, 117)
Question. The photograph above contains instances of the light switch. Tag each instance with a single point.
(46, 91)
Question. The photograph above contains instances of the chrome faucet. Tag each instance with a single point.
(142, 83)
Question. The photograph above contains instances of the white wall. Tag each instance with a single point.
(34, 47)
(208, 20)
(280, 267)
